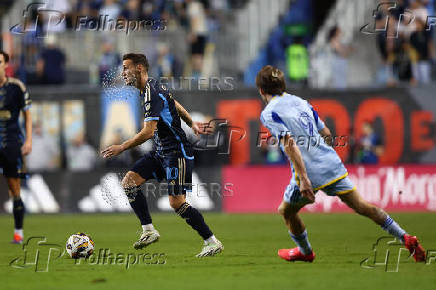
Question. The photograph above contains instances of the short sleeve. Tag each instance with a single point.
(153, 107)
(275, 124)
(24, 99)
(318, 122)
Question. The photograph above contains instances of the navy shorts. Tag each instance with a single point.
(11, 161)
(176, 170)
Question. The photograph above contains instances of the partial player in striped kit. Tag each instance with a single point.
(173, 159)
(14, 99)
(314, 166)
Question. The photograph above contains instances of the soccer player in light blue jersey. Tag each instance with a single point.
(305, 140)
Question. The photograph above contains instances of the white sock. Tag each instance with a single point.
(302, 242)
(210, 240)
(19, 232)
(393, 228)
(148, 227)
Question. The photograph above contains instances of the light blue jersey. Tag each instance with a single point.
(289, 114)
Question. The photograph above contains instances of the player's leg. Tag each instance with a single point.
(14, 186)
(144, 169)
(293, 221)
(131, 184)
(191, 215)
(179, 177)
(11, 161)
(288, 209)
(354, 200)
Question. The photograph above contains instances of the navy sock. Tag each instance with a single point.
(18, 211)
(138, 202)
(194, 218)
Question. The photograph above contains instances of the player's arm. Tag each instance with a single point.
(183, 114)
(197, 127)
(146, 133)
(294, 154)
(25, 103)
(27, 146)
(327, 135)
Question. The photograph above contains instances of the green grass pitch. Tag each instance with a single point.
(249, 261)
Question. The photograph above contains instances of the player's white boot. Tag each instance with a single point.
(211, 249)
(147, 238)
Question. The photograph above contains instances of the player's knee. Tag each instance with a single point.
(129, 181)
(14, 193)
(286, 210)
(281, 209)
(176, 203)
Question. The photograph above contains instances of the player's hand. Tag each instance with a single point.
(306, 189)
(202, 128)
(26, 148)
(112, 151)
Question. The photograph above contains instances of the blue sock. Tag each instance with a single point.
(393, 228)
(302, 242)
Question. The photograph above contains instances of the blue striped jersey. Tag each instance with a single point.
(289, 114)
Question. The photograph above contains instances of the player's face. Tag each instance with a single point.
(131, 74)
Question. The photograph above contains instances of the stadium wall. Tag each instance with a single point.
(393, 188)
(402, 117)
(244, 184)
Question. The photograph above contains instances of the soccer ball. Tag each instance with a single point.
(80, 245)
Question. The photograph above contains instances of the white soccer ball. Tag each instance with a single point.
(80, 245)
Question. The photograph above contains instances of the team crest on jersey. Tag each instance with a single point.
(306, 123)
(147, 106)
(163, 87)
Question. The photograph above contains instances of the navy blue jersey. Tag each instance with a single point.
(13, 99)
(159, 106)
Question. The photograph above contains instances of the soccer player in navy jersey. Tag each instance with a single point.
(13, 145)
(173, 159)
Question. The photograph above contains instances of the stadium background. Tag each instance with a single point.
(78, 108)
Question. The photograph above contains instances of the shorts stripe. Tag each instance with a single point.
(184, 171)
(346, 191)
(179, 161)
(331, 182)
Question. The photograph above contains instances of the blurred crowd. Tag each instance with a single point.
(406, 46)
(44, 62)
